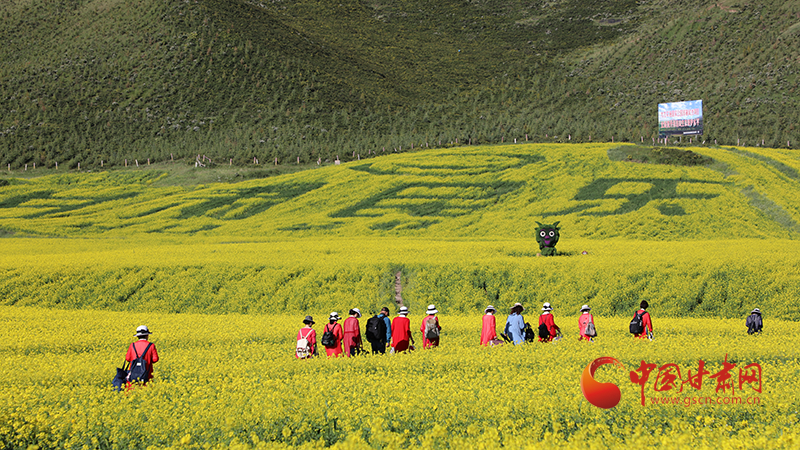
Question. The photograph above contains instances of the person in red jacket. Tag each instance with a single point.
(583, 321)
(426, 342)
(401, 331)
(140, 349)
(338, 334)
(310, 335)
(489, 326)
(647, 322)
(547, 320)
(352, 334)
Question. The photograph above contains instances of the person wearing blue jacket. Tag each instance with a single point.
(388, 322)
(515, 325)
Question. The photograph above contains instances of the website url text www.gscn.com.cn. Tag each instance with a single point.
(690, 401)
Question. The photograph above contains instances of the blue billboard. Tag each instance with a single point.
(680, 118)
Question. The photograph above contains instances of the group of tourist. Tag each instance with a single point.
(380, 332)
(395, 335)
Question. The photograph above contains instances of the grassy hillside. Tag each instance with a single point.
(85, 81)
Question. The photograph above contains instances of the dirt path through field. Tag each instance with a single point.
(398, 288)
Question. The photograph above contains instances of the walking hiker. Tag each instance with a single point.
(332, 336)
(379, 331)
(642, 325)
(548, 330)
(306, 340)
(489, 327)
(754, 323)
(401, 332)
(515, 324)
(352, 333)
(430, 328)
(141, 355)
(586, 324)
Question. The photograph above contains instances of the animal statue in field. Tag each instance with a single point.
(547, 237)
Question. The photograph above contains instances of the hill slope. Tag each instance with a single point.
(488, 191)
(85, 81)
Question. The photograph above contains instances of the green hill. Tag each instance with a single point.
(85, 81)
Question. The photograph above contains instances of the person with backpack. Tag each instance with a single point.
(754, 323)
(586, 324)
(401, 332)
(515, 324)
(430, 328)
(489, 327)
(306, 340)
(641, 324)
(548, 330)
(376, 332)
(332, 336)
(141, 355)
(352, 334)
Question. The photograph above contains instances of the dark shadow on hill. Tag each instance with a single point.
(770, 209)
(270, 196)
(660, 189)
(657, 155)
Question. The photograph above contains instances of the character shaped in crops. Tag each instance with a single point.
(547, 237)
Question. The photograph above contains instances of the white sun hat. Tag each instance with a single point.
(432, 309)
(334, 316)
(358, 312)
(547, 307)
(403, 311)
(142, 331)
(490, 308)
(585, 308)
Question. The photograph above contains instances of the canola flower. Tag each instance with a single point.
(468, 192)
(231, 381)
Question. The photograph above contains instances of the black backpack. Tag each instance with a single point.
(376, 329)
(139, 372)
(328, 338)
(544, 333)
(530, 336)
(637, 323)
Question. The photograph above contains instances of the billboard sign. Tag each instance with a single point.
(680, 118)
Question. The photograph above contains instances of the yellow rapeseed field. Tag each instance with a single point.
(232, 381)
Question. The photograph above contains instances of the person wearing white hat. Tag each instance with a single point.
(515, 324)
(586, 324)
(754, 323)
(333, 334)
(548, 330)
(144, 349)
(402, 339)
(489, 327)
(430, 328)
(352, 334)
